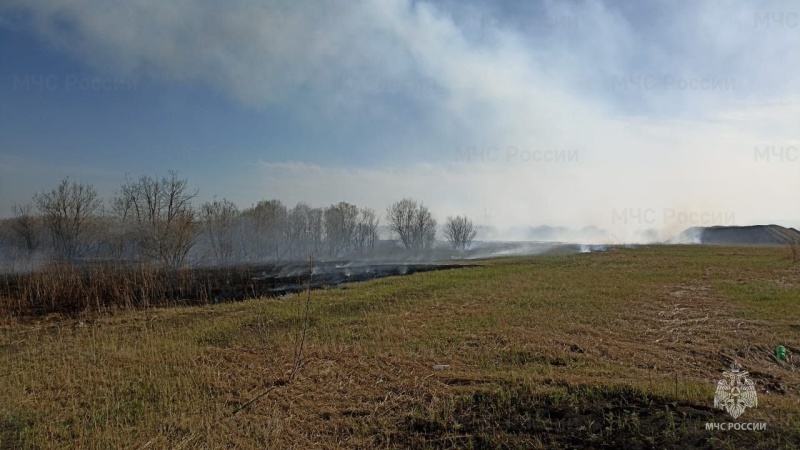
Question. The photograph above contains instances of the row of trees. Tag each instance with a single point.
(155, 219)
(415, 226)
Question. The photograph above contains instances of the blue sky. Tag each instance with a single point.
(516, 113)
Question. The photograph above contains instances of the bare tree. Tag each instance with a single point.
(219, 223)
(66, 212)
(366, 230)
(26, 225)
(161, 217)
(425, 229)
(265, 225)
(304, 231)
(116, 241)
(413, 223)
(341, 222)
(460, 232)
(401, 220)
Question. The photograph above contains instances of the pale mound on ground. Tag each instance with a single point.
(747, 235)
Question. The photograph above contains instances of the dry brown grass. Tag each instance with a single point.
(68, 289)
(109, 287)
(553, 351)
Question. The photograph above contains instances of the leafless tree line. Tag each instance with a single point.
(416, 228)
(270, 231)
(154, 219)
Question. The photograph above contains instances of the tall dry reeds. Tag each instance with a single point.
(99, 287)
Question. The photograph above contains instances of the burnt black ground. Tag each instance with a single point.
(260, 281)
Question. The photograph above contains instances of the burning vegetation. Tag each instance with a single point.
(67, 251)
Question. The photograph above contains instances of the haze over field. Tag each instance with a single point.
(625, 116)
(399, 224)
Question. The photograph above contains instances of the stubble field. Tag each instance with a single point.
(621, 348)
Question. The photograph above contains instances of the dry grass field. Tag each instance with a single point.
(619, 349)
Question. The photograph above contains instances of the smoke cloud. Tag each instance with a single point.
(562, 113)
